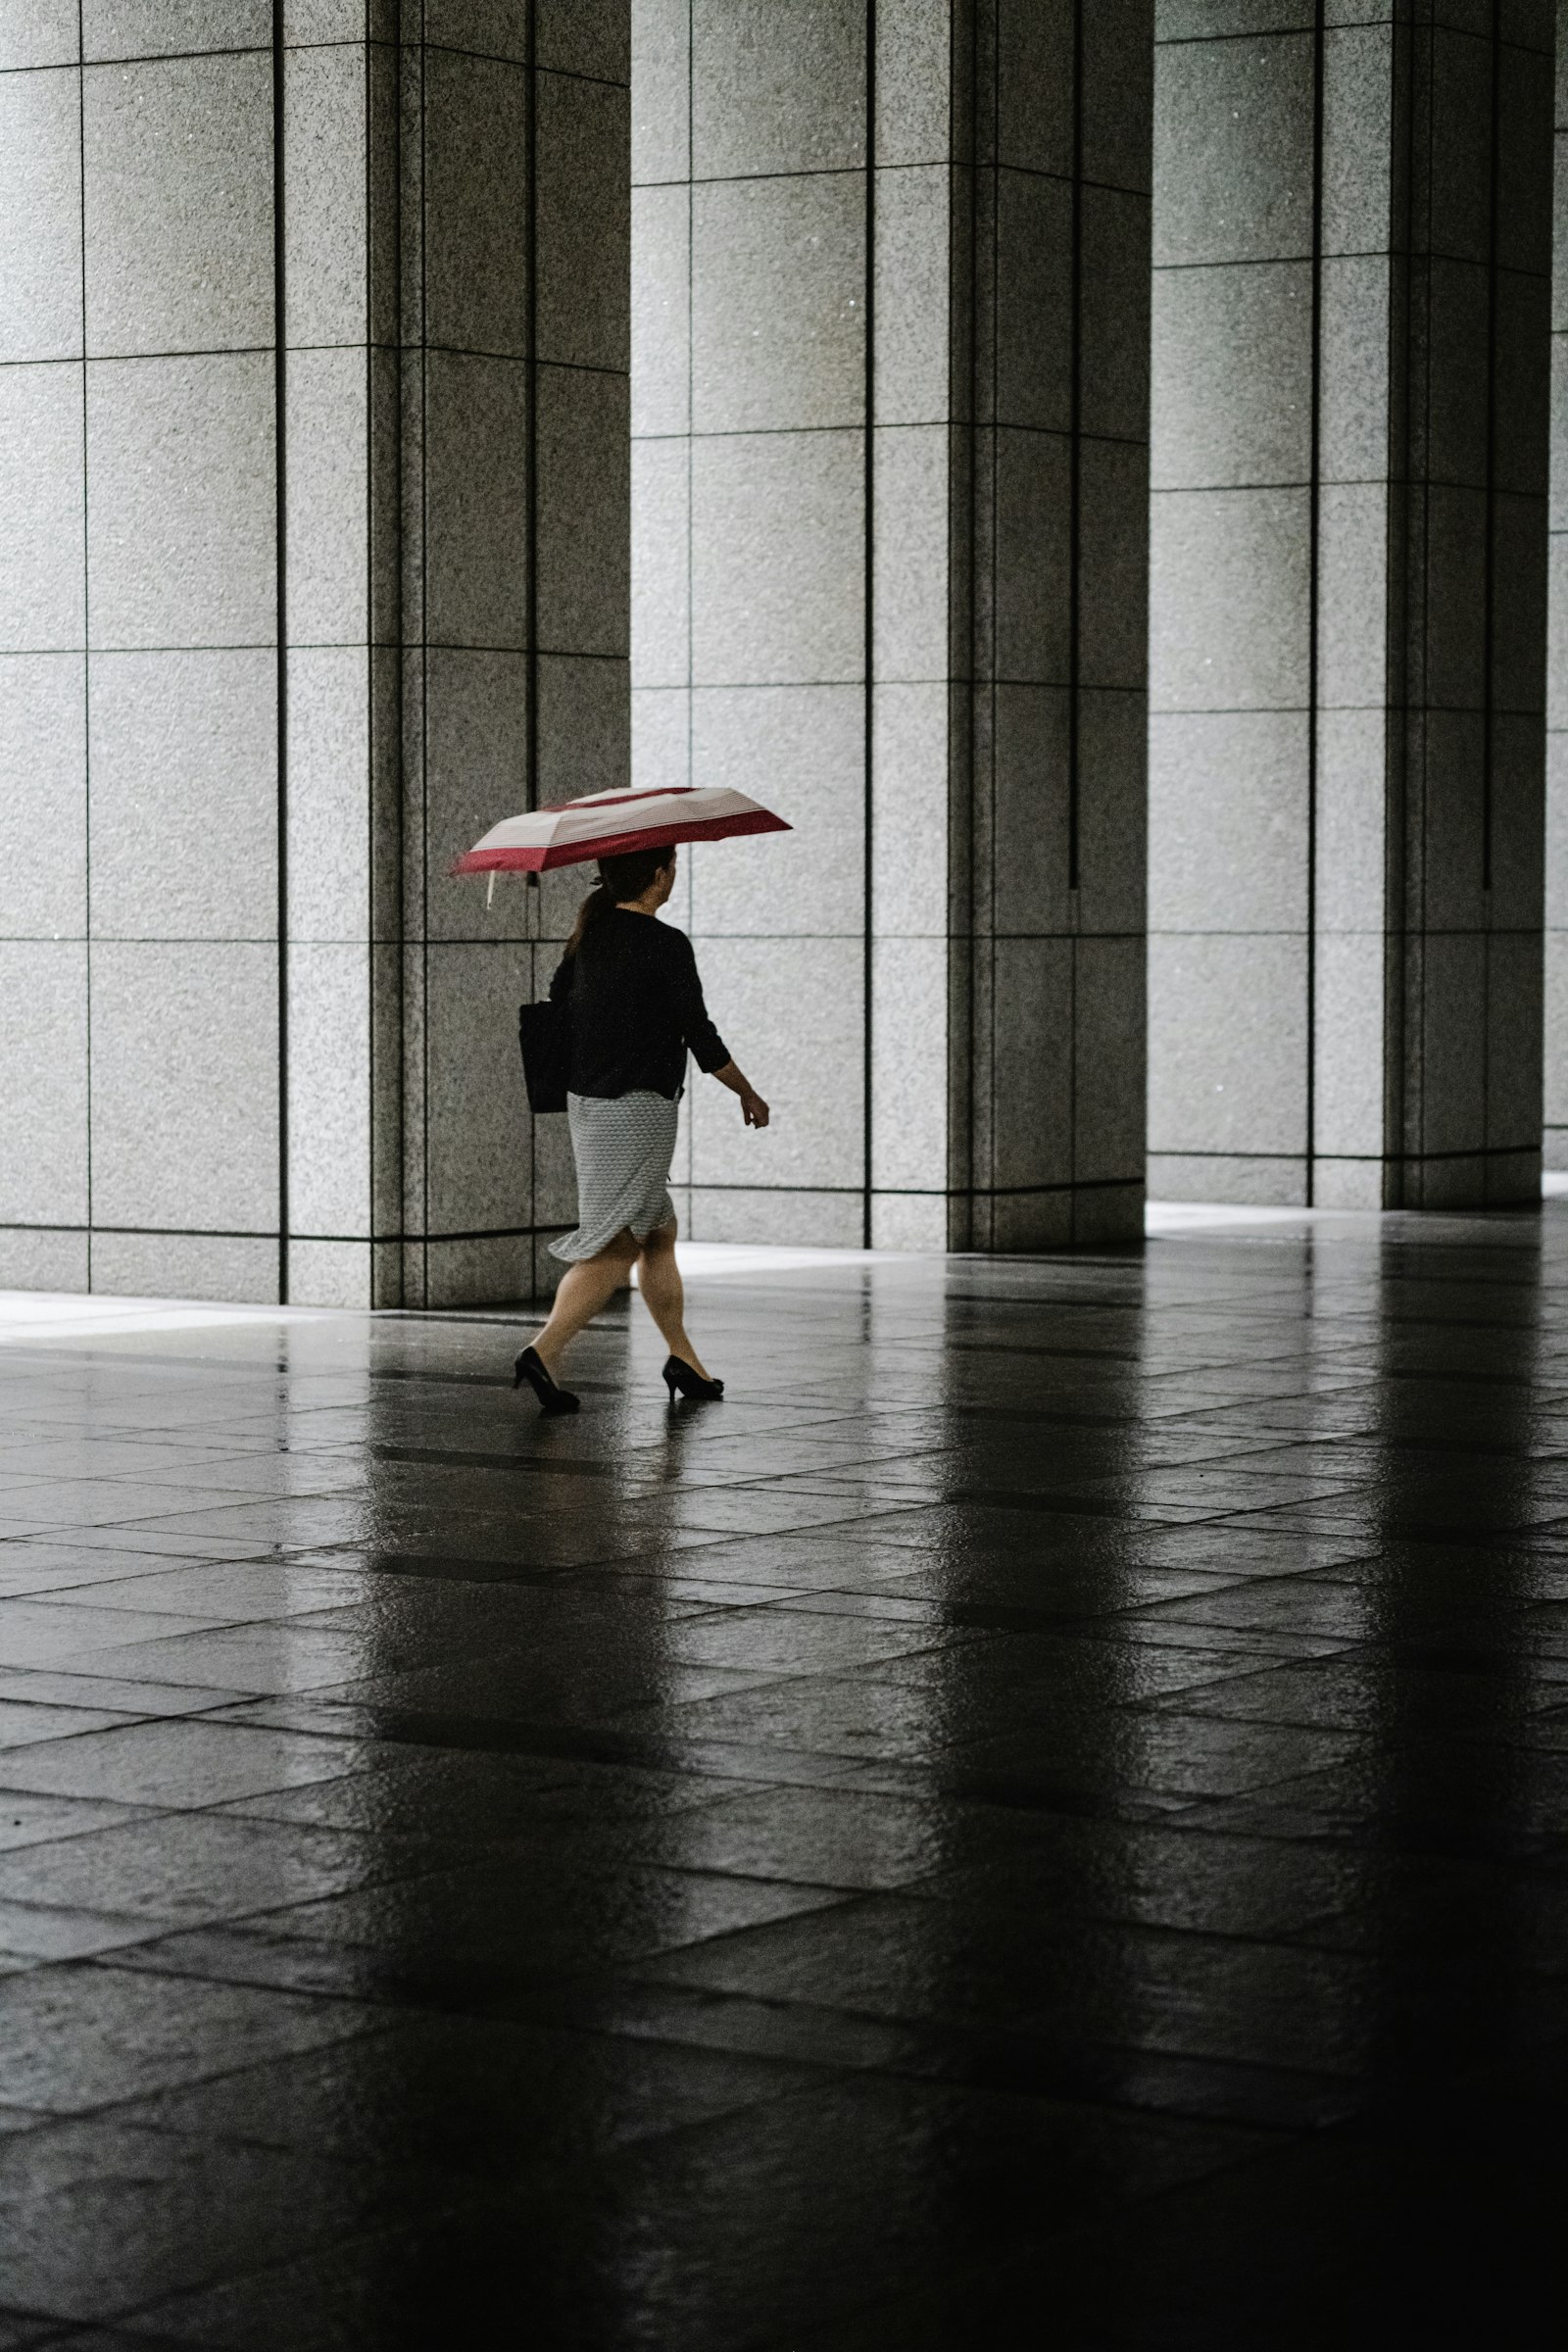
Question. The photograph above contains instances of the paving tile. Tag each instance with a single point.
(481, 1928)
(77, 2037)
(175, 1763)
(40, 1932)
(198, 1868)
(118, 1694)
(24, 1721)
(481, 2100)
(36, 1633)
(26, 1819)
(95, 2218)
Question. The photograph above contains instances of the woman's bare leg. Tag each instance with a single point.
(664, 1295)
(585, 1288)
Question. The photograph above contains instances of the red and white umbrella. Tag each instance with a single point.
(607, 823)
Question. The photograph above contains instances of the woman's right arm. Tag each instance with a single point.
(753, 1111)
(708, 1048)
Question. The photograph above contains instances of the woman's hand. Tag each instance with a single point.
(753, 1111)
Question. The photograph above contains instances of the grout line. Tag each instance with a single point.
(1314, 535)
(185, 57)
(372, 846)
(530, 494)
(1411, 1097)
(1074, 450)
(1074, 582)
(868, 744)
(280, 492)
(847, 429)
(1278, 32)
(690, 452)
(397, 505)
(689, 435)
(1489, 641)
(425, 669)
(987, 1192)
(263, 351)
(86, 642)
(341, 645)
(1346, 253)
(932, 162)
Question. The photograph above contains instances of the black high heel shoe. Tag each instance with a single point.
(678, 1374)
(531, 1367)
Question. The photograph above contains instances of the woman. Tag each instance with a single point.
(636, 1009)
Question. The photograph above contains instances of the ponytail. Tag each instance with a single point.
(592, 910)
(619, 879)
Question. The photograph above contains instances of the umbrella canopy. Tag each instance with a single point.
(607, 823)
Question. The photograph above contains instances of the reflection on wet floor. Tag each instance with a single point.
(1043, 1816)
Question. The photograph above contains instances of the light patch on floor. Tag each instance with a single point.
(1167, 1217)
(717, 1261)
(34, 1316)
(28, 1317)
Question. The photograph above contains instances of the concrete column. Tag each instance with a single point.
(313, 377)
(890, 469)
(457, 562)
(1352, 242)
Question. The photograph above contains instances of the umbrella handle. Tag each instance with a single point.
(489, 896)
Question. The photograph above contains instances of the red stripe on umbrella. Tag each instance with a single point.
(605, 824)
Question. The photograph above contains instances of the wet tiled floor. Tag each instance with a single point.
(1043, 1818)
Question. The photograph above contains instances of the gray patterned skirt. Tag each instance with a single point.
(622, 1146)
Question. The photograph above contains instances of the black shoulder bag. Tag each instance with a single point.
(544, 1034)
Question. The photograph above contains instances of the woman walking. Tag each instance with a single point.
(636, 1009)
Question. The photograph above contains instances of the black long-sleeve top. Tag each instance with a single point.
(636, 1009)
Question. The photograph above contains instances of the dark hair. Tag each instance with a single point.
(619, 879)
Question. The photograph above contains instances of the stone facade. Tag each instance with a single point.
(1352, 241)
(352, 499)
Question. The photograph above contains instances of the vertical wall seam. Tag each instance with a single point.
(868, 946)
(1489, 588)
(1314, 539)
(86, 640)
(397, 513)
(1424, 682)
(964, 352)
(691, 392)
(1397, 615)
(994, 275)
(1075, 422)
(425, 669)
(280, 494)
(1075, 444)
(691, 493)
(371, 845)
(530, 589)
(1489, 555)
